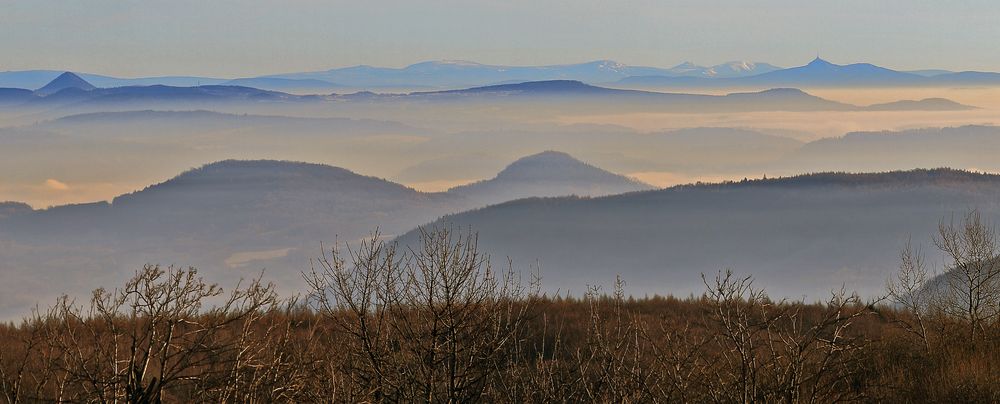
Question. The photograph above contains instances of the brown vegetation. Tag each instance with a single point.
(440, 324)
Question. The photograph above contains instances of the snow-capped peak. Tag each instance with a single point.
(741, 65)
(609, 65)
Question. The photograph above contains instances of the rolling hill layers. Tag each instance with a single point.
(232, 217)
(436, 142)
(801, 236)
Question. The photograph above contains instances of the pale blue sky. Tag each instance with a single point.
(251, 37)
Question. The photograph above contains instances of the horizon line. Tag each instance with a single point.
(458, 61)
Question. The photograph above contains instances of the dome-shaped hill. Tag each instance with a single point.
(555, 165)
(549, 173)
(239, 200)
(247, 182)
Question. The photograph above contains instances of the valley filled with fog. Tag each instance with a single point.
(434, 143)
(235, 177)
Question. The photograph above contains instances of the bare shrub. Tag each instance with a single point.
(154, 339)
(436, 323)
(612, 362)
(779, 351)
(433, 324)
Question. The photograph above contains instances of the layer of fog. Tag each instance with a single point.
(232, 218)
(56, 156)
(49, 159)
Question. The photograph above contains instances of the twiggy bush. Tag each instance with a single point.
(433, 324)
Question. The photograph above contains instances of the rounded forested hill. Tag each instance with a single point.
(801, 236)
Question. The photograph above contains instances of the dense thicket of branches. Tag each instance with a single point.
(439, 323)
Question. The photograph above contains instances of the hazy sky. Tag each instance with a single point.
(250, 37)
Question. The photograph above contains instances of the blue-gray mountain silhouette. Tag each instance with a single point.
(539, 87)
(430, 75)
(820, 73)
(66, 80)
(798, 235)
(458, 74)
(578, 93)
(926, 104)
(15, 96)
(461, 74)
(136, 95)
(549, 173)
(283, 84)
(69, 91)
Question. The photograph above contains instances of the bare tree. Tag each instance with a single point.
(907, 289)
(24, 369)
(972, 281)
(745, 316)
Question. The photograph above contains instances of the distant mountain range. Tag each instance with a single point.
(775, 99)
(71, 91)
(460, 74)
(725, 70)
(800, 236)
(819, 73)
(429, 75)
(454, 74)
(34, 79)
(236, 216)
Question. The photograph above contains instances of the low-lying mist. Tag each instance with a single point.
(87, 153)
(407, 155)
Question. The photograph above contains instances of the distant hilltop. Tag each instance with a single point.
(67, 80)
